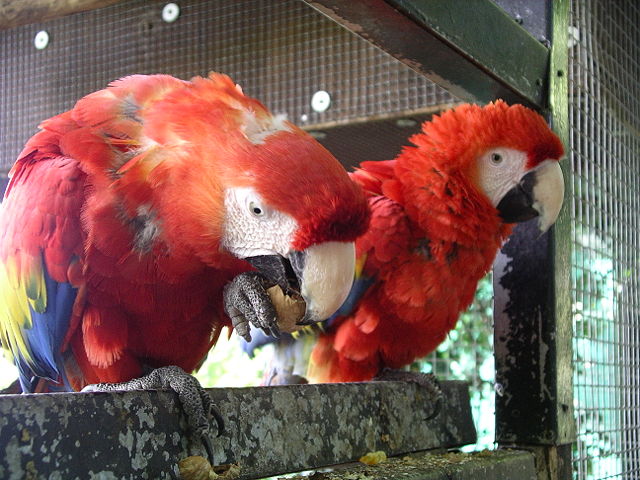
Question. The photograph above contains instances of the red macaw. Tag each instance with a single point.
(440, 212)
(126, 216)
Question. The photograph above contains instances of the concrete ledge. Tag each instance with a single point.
(270, 430)
(485, 465)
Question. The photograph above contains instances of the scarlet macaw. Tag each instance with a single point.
(127, 216)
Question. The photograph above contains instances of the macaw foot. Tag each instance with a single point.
(246, 301)
(426, 380)
(195, 401)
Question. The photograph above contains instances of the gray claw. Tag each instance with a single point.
(195, 401)
(426, 380)
(247, 302)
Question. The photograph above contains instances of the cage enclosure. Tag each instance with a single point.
(361, 76)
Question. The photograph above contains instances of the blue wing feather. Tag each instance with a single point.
(46, 335)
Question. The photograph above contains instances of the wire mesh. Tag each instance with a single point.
(280, 52)
(605, 155)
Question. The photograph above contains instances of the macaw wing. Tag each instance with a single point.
(360, 286)
(40, 271)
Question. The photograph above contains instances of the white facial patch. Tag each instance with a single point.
(499, 170)
(258, 129)
(252, 227)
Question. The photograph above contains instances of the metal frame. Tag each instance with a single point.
(452, 44)
(533, 337)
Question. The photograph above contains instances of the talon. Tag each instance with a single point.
(426, 380)
(206, 441)
(274, 331)
(217, 416)
(194, 400)
(436, 409)
(246, 301)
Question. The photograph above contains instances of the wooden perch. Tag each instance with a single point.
(269, 430)
(21, 12)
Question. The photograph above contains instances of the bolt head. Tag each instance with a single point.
(41, 40)
(320, 101)
(170, 12)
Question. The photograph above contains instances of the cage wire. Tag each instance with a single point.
(605, 156)
(279, 52)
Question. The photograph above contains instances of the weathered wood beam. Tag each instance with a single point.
(477, 53)
(532, 311)
(14, 13)
(270, 430)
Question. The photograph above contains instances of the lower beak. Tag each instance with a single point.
(321, 274)
(538, 194)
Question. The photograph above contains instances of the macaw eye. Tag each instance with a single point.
(496, 158)
(256, 209)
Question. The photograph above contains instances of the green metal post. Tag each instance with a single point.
(533, 337)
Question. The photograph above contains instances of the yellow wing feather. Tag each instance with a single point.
(21, 286)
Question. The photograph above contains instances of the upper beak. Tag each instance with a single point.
(322, 274)
(538, 194)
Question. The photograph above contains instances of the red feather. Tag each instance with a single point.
(432, 236)
(123, 198)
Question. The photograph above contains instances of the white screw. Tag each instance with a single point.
(406, 122)
(320, 101)
(170, 12)
(42, 40)
(304, 117)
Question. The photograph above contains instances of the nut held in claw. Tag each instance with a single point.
(289, 309)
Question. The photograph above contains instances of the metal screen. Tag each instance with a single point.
(605, 154)
(281, 52)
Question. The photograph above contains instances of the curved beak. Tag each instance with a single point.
(538, 194)
(326, 273)
(322, 274)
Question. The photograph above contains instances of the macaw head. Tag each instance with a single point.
(507, 154)
(213, 174)
(293, 213)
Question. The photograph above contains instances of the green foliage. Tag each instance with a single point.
(228, 366)
(8, 372)
(597, 363)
